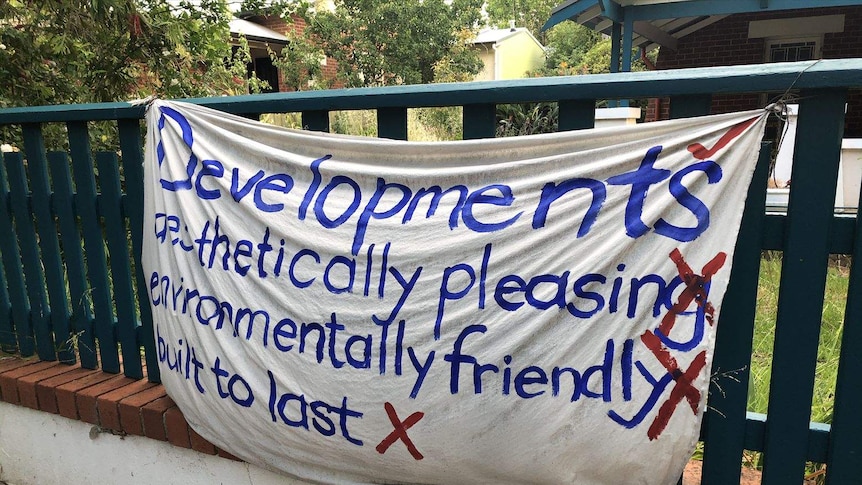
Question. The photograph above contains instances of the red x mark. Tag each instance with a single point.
(695, 290)
(683, 387)
(400, 431)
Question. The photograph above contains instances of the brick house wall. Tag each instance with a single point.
(292, 29)
(726, 43)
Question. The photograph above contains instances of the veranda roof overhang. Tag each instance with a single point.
(653, 23)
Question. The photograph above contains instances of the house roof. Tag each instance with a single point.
(251, 30)
(494, 36)
(257, 32)
(663, 22)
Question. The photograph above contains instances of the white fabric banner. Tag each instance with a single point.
(537, 309)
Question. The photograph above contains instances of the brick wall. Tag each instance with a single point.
(726, 43)
(294, 28)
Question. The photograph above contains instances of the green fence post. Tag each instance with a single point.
(728, 396)
(844, 462)
(315, 120)
(133, 165)
(83, 341)
(690, 105)
(48, 242)
(94, 245)
(577, 114)
(392, 123)
(14, 271)
(8, 342)
(33, 276)
(121, 274)
(803, 282)
(480, 121)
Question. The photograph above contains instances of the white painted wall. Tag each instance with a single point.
(784, 159)
(607, 117)
(38, 448)
(849, 170)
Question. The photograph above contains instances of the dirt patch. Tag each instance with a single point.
(694, 470)
(748, 476)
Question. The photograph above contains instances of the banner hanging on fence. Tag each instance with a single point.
(536, 309)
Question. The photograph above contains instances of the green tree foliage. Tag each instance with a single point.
(597, 59)
(570, 50)
(533, 118)
(73, 51)
(300, 65)
(386, 42)
(300, 62)
(574, 49)
(531, 14)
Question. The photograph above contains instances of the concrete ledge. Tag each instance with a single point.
(39, 448)
(112, 402)
(51, 408)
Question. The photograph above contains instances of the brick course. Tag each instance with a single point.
(111, 401)
(27, 390)
(176, 428)
(153, 415)
(131, 409)
(9, 379)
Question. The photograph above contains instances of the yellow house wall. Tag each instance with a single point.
(517, 55)
(486, 54)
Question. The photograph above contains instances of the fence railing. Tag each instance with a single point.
(70, 239)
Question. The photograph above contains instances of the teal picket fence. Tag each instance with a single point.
(71, 217)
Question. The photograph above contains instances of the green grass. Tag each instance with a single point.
(829, 347)
(828, 350)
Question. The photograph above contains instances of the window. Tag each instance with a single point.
(795, 39)
(792, 50)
